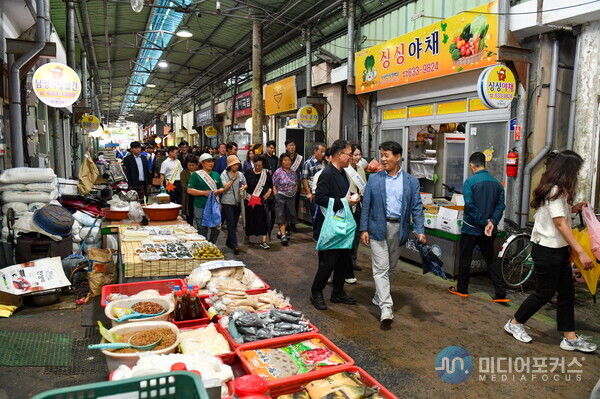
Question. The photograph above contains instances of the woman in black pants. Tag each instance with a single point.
(552, 242)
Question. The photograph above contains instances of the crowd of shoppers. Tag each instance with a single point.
(385, 208)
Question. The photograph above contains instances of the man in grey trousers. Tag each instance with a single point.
(391, 198)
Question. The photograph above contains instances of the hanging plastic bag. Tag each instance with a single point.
(593, 226)
(136, 213)
(212, 212)
(338, 228)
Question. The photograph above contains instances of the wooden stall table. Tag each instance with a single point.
(133, 267)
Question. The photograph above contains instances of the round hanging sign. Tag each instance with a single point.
(90, 123)
(210, 131)
(56, 85)
(308, 116)
(496, 86)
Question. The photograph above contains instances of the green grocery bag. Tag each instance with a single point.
(338, 228)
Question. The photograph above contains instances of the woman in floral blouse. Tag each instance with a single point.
(285, 187)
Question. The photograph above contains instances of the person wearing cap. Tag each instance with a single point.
(136, 170)
(234, 184)
(201, 184)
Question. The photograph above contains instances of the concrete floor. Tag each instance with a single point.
(427, 319)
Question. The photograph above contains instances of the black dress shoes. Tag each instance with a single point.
(345, 299)
(318, 301)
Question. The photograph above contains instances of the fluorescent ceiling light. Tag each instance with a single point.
(163, 64)
(151, 85)
(184, 31)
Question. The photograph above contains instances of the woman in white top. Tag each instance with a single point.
(552, 238)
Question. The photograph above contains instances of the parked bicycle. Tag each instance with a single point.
(515, 254)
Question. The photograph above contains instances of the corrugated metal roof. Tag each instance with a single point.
(221, 44)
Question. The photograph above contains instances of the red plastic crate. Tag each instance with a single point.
(302, 379)
(162, 286)
(294, 339)
(187, 323)
(235, 345)
(227, 358)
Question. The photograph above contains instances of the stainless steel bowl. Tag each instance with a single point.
(42, 298)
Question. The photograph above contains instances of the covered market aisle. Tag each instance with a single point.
(402, 359)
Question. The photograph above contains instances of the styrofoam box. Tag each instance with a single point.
(114, 360)
(426, 198)
(431, 220)
(165, 301)
(450, 219)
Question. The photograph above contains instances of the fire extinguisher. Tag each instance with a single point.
(512, 163)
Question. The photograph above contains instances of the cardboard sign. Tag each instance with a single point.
(38, 275)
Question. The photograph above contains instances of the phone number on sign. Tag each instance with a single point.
(425, 69)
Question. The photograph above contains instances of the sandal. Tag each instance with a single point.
(454, 290)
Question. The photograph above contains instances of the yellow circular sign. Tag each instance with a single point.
(496, 86)
(90, 123)
(56, 85)
(210, 132)
(308, 116)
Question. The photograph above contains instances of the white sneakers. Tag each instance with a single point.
(351, 280)
(517, 331)
(578, 344)
(386, 315)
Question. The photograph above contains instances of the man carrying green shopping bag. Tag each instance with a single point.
(334, 227)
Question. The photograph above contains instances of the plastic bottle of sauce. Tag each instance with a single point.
(195, 312)
(186, 302)
(179, 307)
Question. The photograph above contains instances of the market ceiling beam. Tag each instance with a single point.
(208, 38)
(243, 42)
(109, 66)
(88, 32)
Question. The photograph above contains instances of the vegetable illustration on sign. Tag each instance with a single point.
(469, 45)
(370, 73)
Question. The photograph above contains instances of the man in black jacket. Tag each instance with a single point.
(333, 184)
(136, 170)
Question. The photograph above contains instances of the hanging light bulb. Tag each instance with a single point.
(105, 135)
(218, 5)
(163, 64)
(158, 140)
(184, 32)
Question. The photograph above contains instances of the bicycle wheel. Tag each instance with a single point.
(517, 265)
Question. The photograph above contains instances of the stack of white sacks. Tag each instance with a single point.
(82, 225)
(26, 190)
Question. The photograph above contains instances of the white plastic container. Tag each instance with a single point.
(164, 301)
(114, 360)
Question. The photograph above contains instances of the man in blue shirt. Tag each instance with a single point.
(391, 198)
(484, 205)
(221, 163)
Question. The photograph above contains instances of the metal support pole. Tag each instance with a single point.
(16, 123)
(308, 63)
(573, 106)
(257, 100)
(350, 62)
(70, 27)
(59, 155)
(549, 134)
